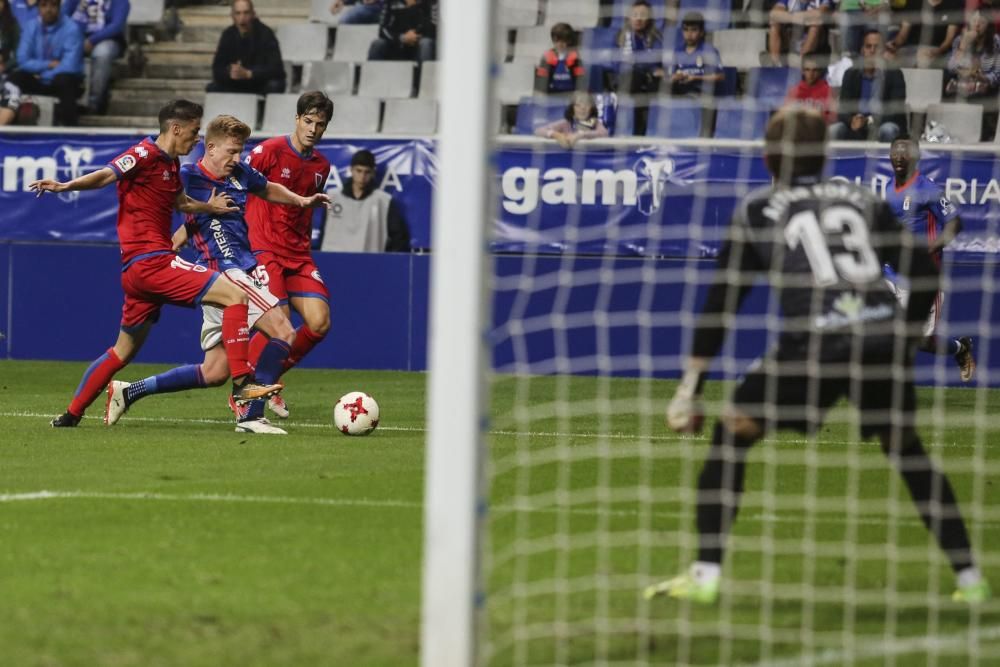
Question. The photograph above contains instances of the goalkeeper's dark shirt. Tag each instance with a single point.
(820, 246)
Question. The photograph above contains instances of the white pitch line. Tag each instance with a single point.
(629, 437)
(885, 648)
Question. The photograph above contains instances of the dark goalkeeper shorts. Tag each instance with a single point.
(796, 394)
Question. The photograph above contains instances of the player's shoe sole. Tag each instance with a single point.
(251, 391)
(965, 360)
(973, 594)
(277, 405)
(259, 426)
(65, 420)
(116, 406)
(684, 587)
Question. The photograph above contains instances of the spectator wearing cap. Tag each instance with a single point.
(361, 217)
(407, 31)
(248, 57)
(695, 62)
(50, 60)
(103, 26)
(560, 70)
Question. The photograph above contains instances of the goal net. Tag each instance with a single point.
(598, 263)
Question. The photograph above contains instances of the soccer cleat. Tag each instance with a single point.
(278, 406)
(259, 426)
(65, 420)
(251, 390)
(116, 405)
(239, 411)
(973, 593)
(966, 362)
(685, 587)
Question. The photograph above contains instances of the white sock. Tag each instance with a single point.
(704, 572)
(970, 576)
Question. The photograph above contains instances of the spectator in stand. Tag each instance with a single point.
(361, 217)
(797, 26)
(407, 31)
(872, 98)
(103, 26)
(927, 30)
(248, 58)
(581, 121)
(356, 11)
(10, 95)
(50, 60)
(973, 73)
(25, 11)
(813, 90)
(560, 70)
(637, 69)
(695, 61)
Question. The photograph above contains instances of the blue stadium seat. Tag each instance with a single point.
(598, 50)
(625, 119)
(729, 84)
(533, 112)
(675, 119)
(769, 85)
(717, 13)
(740, 119)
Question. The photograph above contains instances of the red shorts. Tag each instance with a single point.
(285, 277)
(149, 283)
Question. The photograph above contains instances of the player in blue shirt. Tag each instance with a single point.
(924, 208)
(223, 245)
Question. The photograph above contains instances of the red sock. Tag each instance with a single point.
(305, 340)
(258, 342)
(94, 381)
(236, 339)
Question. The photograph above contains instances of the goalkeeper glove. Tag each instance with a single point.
(686, 414)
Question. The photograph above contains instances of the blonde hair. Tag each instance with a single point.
(227, 126)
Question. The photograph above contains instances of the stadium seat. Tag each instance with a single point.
(355, 115)
(717, 13)
(411, 117)
(962, 122)
(319, 12)
(533, 112)
(302, 42)
(145, 12)
(351, 42)
(279, 113)
(46, 109)
(515, 13)
(386, 78)
(625, 117)
(577, 13)
(740, 119)
(730, 83)
(769, 85)
(598, 50)
(428, 80)
(242, 105)
(740, 48)
(333, 78)
(675, 119)
(514, 81)
(531, 42)
(923, 87)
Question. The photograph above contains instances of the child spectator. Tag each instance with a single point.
(796, 26)
(103, 26)
(813, 90)
(695, 61)
(560, 69)
(973, 72)
(581, 121)
(356, 11)
(248, 57)
(407, 31)
(638, 66)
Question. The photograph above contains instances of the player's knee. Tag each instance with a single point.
(740, 425)
(320, 323)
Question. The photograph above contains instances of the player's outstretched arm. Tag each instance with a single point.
(217, 204)
(92, 181)
(279, 194)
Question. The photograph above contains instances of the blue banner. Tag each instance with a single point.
(662, 201)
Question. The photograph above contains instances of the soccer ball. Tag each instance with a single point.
(355, 413)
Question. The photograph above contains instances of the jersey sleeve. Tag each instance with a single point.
(256, 181)
(126, 165)
(261, 159)
(941, 206)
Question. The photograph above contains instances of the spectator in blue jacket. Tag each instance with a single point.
(103, 26)
(50, 60)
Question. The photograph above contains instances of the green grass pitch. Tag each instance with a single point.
(171, 540)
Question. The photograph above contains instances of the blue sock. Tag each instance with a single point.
(255, 410)
(271, 361)
(953, 347)
(176, 379)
